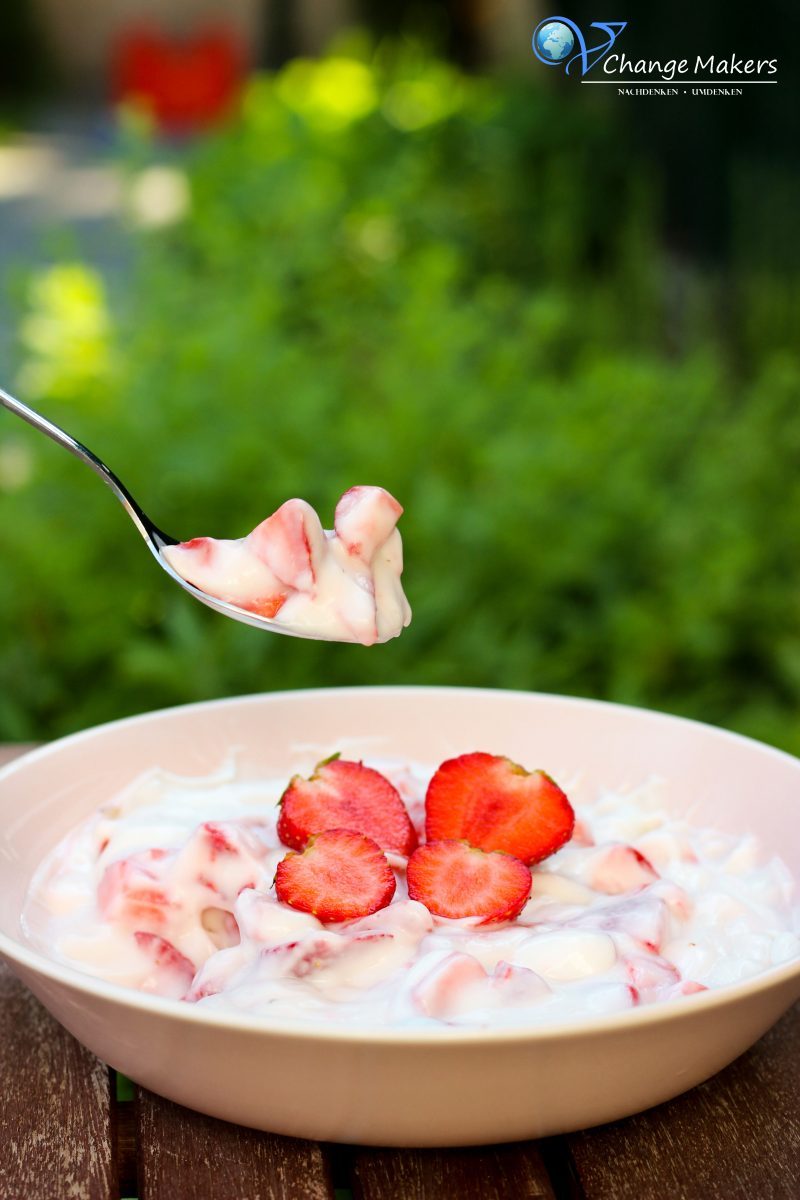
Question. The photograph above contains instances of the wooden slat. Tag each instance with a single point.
(184, 1155)
(485, 1173)
(736, 1137)
(55, 1129)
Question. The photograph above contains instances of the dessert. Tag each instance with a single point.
(340, 585)
(184, 888)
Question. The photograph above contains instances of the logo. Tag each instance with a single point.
(560, 42)
(555, 39)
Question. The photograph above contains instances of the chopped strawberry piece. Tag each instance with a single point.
(690, 987)
(619, 869)
(201, 547)
(675, 898)
(131, 893)
(220, 840)
(455, 880)
(345, 795)
(496, 805)
(204, 989)
(651, 975)
(360, 939)
(517, 984)
(340, 876)
(290, 543)
(645, 920)
(364, 518)
(222, 856)
(437, 995)
(302, 958)
(167, 961)
(215, 973)
(266, 606)
(221, 926)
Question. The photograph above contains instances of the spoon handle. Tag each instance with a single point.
(142, 523)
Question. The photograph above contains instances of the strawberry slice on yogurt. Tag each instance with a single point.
(337, 585)
(345, 795)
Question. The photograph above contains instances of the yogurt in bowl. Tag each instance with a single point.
(169, 888)
(442, 1070)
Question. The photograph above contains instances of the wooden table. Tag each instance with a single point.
(71, 1130)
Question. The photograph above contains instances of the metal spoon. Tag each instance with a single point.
(154, 538)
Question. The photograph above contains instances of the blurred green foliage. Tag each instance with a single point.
(392, 273)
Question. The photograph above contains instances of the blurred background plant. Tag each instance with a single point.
(473, 287)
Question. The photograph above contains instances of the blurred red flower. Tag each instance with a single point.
(185, 85)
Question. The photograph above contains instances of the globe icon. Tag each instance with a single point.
(554, 41)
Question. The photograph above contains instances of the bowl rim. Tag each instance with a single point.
(14, 951)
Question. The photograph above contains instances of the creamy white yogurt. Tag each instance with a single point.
(169, 889)
(338, 585)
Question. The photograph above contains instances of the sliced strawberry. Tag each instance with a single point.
(453, 879)
(340, 876)
(266, 606)
(496, 805)
(201, 547)
(345, 795)
(222, 856)
(303, 957)
(131, 892)
(690, 987)
(517, 983)
(619, 868)
(291, 543)
(365, 517)
(221, 927)
(174, 972)
(644, 919)
(439, 992)
(651, 975)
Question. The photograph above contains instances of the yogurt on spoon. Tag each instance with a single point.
(338, 585)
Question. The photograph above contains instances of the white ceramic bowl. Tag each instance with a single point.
(390, 1087)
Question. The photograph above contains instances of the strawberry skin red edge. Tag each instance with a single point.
(422, 895)
(294, 834)
(297, 892)
(474, 760)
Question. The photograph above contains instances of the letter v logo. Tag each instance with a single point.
(555, 38)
